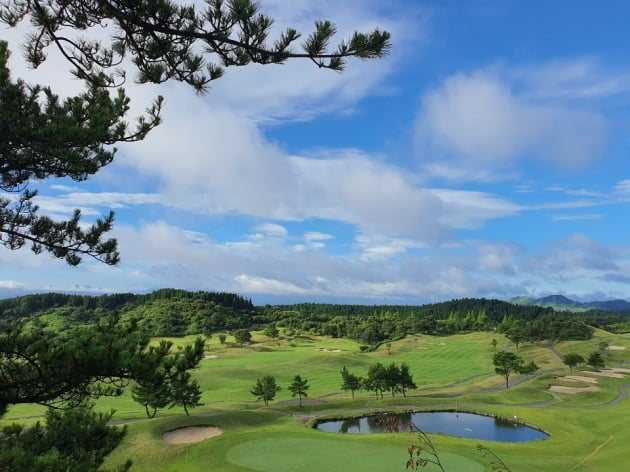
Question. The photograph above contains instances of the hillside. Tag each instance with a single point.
(164, 312)
(172, 312)
(562, 303)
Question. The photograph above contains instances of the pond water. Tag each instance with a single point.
(464, 425)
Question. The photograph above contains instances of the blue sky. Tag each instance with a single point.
(487, 156)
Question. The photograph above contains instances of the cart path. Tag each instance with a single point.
(590, 456)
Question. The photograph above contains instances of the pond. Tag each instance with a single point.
(464, 425)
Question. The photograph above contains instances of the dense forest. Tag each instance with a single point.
(173, 312)
(613, 321)
(165, 312)
(378, 323)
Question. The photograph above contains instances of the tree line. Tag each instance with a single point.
(165, 312)
(173, 312)
(379, 379)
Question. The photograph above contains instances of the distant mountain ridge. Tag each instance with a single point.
(560, 302)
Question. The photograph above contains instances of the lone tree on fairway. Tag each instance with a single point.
(517, 333)
(152, 395)
(572, 360)
(172, 385)
(242, 336)
(266, 389)
(405, 379)
(399, 379)
(596, 360)
(298, 387)
(350, 381)
(507, 363)
(376, 380)
(185, 391)
(529, 368)
(271, 331)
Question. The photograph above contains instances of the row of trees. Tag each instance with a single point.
(266, 388)
(377, 324)
(170, 312)
(165, 312)
(380, 378)
(552, 326)
(595, 359)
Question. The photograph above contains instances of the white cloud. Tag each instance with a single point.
(623, 187)
(581, 79)
(317, 236)
(467, 209)
(226, 166)
(478, 119)
(574, 257)
(11, 284)
(271, 229)
(584, 216)
(88, 202)
(499, 257)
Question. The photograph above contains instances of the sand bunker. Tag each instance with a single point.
(617, 348)
(620, 370)
(573, 390)
(579, 378)
(191, 434)
(321, 349)
(211, 356)
(608, 373)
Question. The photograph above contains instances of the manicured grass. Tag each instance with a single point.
(269, 454)
(452, 372)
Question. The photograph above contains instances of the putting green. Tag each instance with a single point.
(288, 454)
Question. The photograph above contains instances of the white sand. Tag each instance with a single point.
(617, 373)
(579, 378)
(573, 390)
(191, 434)
(617, 348)
(607, 373)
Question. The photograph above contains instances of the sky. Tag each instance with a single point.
(488, 155)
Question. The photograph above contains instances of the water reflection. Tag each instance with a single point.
(465, 425)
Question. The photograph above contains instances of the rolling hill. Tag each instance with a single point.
(560, 302)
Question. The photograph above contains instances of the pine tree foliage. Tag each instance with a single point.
(63, 371)
(299, 386)
(76, 440)
(164, 40)
(44, 137)
(265, 389)
(176, 40)
(351, 381)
